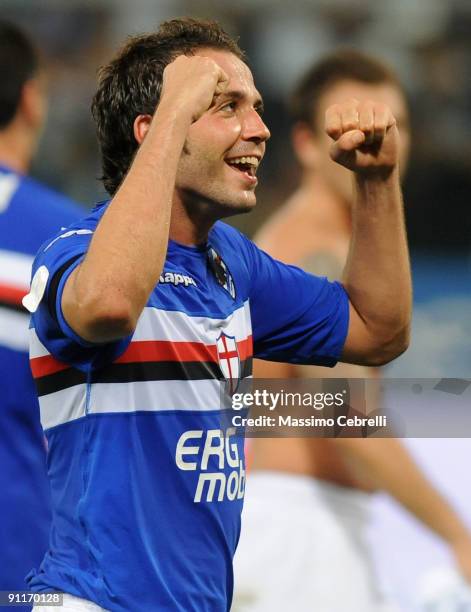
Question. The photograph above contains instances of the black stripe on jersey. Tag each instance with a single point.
(157, 370)
(59, 380)
(137, 372)
(14, 307)
(164, 370)
(54, 286)
(246, 367)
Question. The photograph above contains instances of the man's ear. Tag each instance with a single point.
(33, 104)
(141, 127)
(305, 145)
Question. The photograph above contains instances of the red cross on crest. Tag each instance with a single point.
(229, 360)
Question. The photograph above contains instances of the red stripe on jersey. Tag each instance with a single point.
(149, 350)
(245, 348)
(42, 366)
(12, 295)
(164, 350)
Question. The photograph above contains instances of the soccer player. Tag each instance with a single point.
(316, 492)
(29, 213)
(141, 309)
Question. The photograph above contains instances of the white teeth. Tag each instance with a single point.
(253, 161)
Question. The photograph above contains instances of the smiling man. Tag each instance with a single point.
(142, 309)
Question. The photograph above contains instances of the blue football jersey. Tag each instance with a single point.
(147, 486)
(29, 213)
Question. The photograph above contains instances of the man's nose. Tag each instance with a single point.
(254, 128)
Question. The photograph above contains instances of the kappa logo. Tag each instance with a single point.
(175, 279)
(229, 360)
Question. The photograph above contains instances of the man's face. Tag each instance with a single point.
(224, 147)
(339, 179)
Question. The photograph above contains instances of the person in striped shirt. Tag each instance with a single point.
(29, 213)
(142, 310)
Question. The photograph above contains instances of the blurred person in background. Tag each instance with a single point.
(29, 214)
(303, 542)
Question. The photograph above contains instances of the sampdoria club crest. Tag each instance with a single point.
(221, 272)
(229, 360)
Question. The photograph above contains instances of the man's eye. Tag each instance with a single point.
(229, 106)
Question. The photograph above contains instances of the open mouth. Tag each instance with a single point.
(246, 166)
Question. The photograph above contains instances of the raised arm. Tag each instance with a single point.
(105, 295)
(377, 274)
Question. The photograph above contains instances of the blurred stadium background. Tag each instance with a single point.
(429, 43)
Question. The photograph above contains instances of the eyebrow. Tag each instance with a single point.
(238, 95)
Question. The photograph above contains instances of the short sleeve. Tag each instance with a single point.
(296, 317)
(55, 261)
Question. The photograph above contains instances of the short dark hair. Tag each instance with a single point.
(18, 63)
(342, 65)
(130, 85)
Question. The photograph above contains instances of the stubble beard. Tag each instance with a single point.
(213, 206)
(205, 193)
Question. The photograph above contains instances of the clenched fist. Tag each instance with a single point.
(365, 136)
(191, 82)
